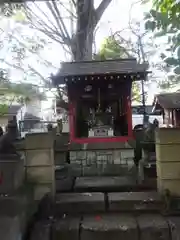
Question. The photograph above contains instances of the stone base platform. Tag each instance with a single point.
(110, 184)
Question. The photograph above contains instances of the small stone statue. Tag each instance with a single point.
(14, 123)
(6, 140)
(49, 127)
(1, 131)
(59, 126)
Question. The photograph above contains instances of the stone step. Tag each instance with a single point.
(111, 202)
(110, 184)
(134, 201)
(64, 184)
(79, 203)
(113, 226)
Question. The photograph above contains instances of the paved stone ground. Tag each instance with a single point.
(15, 212)
(12, 217)
(10, 228)
(41, 230)
(110, 227)
(67, 228)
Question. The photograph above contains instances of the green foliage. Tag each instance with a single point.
(22, 44)
(17, 91)
(170, 61)
(4, 109)
(10, 9)
(113, 49)
(163, 20)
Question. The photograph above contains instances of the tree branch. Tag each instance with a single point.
(54, 11)
(50, 29)
(24, 71)
(70, 12)
(13, 65)
(24, 46)
(101, 8)
(74, 3)
(64, 29)
(38, 74)
(41, 11)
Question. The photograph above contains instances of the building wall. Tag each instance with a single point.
(166, 117)
(33, 107)
(177, 117)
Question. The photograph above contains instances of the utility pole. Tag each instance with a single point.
(143, 58)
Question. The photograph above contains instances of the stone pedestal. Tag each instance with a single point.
(168, 160)
(11, 173)
(107, 159)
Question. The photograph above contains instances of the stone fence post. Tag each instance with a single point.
(168, 160)
(39, 163)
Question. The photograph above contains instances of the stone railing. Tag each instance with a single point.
(168, 160)
(39, 163)
(37, 150)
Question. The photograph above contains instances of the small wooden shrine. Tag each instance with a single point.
(99, 98)
(169, 106)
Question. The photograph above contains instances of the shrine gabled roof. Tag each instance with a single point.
(167, 100)
(89, 68)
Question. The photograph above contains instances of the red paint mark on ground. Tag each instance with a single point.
(98, 218)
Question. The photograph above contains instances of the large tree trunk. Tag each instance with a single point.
(87, 19)
(82, 47)
(82, 42)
